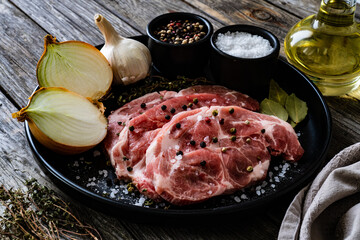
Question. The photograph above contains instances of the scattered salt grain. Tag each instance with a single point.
(177, 147)
(258, 192)
(76, 164)
(178, 157)
(209, 192)
(237, 199)
(81, 158)
(173, 160)
(262, 191)
(276, 168)
(243, 196)
(276, 179)
(272, 185)
(214, 100)
(77, 177)
(243, 45)
(206, 138)
(140, 202)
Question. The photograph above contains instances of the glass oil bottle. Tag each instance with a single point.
(326, 47)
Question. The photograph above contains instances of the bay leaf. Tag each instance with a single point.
(296, 108)
(276, 93)
(271, 107)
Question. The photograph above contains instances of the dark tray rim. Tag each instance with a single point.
(97, 201)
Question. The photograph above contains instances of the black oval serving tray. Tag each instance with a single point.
(89, 178)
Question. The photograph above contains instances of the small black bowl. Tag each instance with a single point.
(179, 59)
(247, 75)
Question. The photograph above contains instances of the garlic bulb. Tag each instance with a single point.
(129, 59)
(64, 121)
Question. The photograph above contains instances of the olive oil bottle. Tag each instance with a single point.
(326, 47)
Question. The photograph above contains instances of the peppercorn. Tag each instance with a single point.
(233, 138)
(167, 117)
(248, 140)
(202, 144)
(131, 128)
(207, 120)
(247, 122)
(125, 158)
(215, 113)
(172, 110)
(215, 139)
(223, 149)
(203, 163)
(262, 130)
(129, 169)
(178, 125)
(179, 153)
(184, 107)
(119, 123)
(118, 134)
(163, 107)
(249, 169)
(232, 130)
(180, 32)
(192, 142)
(190, 105)
(143, 105)
(222, 121)
(195, 100)
(231, 110)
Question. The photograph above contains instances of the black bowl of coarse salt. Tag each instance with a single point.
(243, 58)
(179, 43)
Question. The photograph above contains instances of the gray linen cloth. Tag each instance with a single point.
(329, 207)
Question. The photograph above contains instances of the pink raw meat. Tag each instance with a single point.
(185, 172)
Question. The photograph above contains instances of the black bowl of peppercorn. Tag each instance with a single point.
(179, 43)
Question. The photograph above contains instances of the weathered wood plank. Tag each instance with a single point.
(303, 8)
(258, 13)
(21, 43)
(72, 20)
(18, 165)
(140, 13)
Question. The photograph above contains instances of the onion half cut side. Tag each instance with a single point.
(64, 121)
(76, 66)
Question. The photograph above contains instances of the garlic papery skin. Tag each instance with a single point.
(76, 66)
(63, 121)
(130, 59)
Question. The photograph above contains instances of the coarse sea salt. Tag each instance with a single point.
(243, 45)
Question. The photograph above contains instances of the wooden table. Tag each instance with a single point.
(25, 23)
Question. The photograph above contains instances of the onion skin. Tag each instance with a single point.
(48, 40)
(45, 140)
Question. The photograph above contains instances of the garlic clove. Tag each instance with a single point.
(130, 59)
(76, 66)
(64, 121)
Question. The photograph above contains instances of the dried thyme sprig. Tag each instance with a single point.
(39, 214)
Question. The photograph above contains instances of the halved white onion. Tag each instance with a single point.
(64, 121)
(76, 66)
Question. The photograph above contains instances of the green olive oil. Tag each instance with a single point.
(326, 47)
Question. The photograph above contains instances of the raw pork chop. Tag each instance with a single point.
(128, 155)
(121, 116)
(203, 158)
